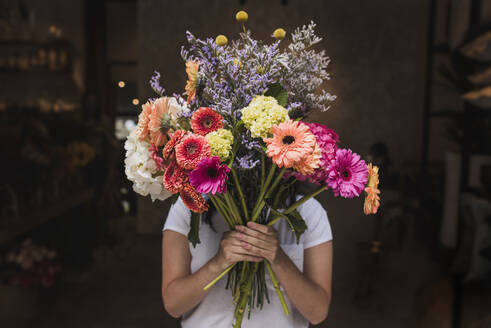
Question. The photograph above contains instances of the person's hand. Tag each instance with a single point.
(261, 241)
(231, 251)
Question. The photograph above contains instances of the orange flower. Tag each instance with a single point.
(143, 120)
(193, 200)
(310, 163)
(292, 142)
(372, 200)
(159, 121)
(192, 72)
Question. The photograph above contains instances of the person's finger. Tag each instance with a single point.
(267, 230)
(251, 232)
(249, 258)
(256, 241)
(256, 251)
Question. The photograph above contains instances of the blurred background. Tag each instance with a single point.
(78, 248)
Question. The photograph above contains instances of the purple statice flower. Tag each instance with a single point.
(155, 83)
(247, 161)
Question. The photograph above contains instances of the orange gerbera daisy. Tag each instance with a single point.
(143, 120)
(159, 121)
(192, 72)
(291, 143)
(193, 200)
(311, 162)
(372, 200)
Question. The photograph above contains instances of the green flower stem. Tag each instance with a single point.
(257, 210)
(241, 194)
(304, 199)
(262, 202)
(277, 287)
(276, 181)
(219, 277)
(241, 281)
(244, 297)
(223, 213)
(263, 169)
(276, 219)
(232, 208)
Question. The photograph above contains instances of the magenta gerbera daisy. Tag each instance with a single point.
(191, 150)
(348, 174)
(210, 176)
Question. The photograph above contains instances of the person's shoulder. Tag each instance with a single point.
(311, 209)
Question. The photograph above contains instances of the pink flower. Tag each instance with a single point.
(143, 120)
(191, 150)
(210, 176)
(348, 174)
(327, 141)
(159, 161)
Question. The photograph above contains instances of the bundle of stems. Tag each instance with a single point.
(246, 279)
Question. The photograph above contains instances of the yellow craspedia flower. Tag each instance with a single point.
(241, 16)
(259, 69)
(261, 114)
(221, 143)
(279, 34)
(237, 62)
(221, 40)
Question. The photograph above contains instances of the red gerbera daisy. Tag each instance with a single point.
(193, 200)
(175, 178)
(191, 150)
(168, 150)
(206, 120)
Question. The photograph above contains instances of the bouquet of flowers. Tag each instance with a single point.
(237, 140)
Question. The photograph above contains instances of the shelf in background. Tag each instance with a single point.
(37, 217)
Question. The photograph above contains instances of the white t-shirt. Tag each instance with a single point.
(217, 309)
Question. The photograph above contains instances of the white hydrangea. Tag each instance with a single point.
(141, 169)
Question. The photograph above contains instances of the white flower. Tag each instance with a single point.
(141, 169)
(175, 110)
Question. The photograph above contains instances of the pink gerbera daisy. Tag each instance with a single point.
(193, 200)
(291, 143)
(210, 176)
(348, 174)
(191, 150)
(206, 120)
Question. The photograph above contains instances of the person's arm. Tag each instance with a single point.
(309, 291)
(181, 290)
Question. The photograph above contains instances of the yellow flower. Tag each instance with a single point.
(221, 40)
(241, 16)
(221, 143)
(279, 34)
(260, 69)
(261, 114)
(372, 176)
(237, 62)
(192, 72)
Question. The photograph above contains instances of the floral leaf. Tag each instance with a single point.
(193, 234)
(295, 221)
(183, 123)
(276, 91)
